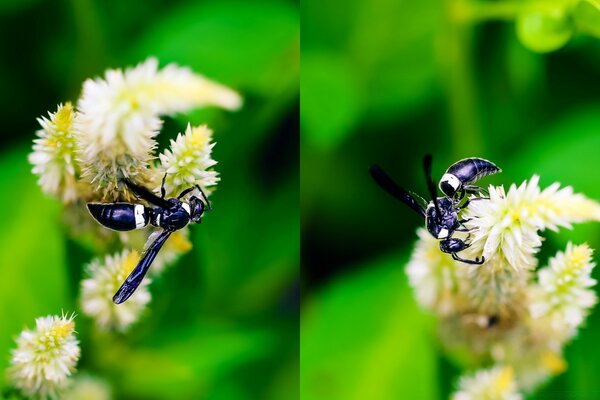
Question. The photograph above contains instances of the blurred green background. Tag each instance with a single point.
(387, 81)
(223, 322)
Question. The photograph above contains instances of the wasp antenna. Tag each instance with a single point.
(431, 185)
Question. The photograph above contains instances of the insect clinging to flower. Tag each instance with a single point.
(170, 214)
(441, 213)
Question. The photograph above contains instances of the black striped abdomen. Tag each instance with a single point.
(120, 216)
(472, 169)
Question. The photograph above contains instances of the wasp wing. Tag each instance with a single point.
(387, 184)
(431, 184)
(145, 194)
(137, 275)
(420, 201)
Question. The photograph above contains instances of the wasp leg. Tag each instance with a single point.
(476, 189)
(466, 229)
(466, 203)
(163, 191)
(477, 261)
(145, 194)
(186, 191)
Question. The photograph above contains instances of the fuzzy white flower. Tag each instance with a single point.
(507, 224)
(494, 384)
(53, 155)
(104, 279)
(45, 357)
(188, 161)
(563, 292)
(119, 117)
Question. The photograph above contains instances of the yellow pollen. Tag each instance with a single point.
(200, 136)
(553, 362)
(179, 242)
(130, 262)
(579, 256)
(63, 329)
(504, 380)
(64, 117)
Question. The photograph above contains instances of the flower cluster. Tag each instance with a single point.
(45, 357)
(53, 154)
(85, 150)
(83, 153)
(509, 311)
(104, 279)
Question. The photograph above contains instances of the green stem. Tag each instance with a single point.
(457, 44)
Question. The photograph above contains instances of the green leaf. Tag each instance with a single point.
(587, 17)
(330, 100)
(544, 27)
(365, 338)
(33, 274)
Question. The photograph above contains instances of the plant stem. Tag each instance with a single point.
(457, 58)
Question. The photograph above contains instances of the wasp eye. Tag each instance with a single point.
(197, 208)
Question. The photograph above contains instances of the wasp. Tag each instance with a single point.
(169, 214)
(441, 213)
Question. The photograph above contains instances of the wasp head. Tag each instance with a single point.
(196, 208)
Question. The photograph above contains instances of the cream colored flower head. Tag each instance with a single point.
(502, 311)
(45, 357)
(119, 116)
(188, 161)
(494, 384)
(104, 279)
(564, 293)
(507, 225)
(53, 156)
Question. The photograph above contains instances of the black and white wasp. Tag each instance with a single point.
(441, 213)
(169, 214)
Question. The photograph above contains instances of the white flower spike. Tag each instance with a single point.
(188, 161)
(507, 225)
(45, 357)
(54, 152)
(494, 384)
(119, 117)
(563, 292)
(104, 279)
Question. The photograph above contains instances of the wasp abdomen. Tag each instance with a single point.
(120, 216)
(472, 169)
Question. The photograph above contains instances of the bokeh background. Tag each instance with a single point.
(223, 322)
(386, 82)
